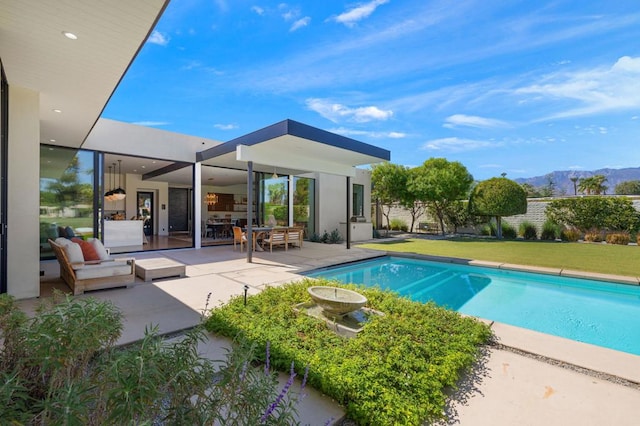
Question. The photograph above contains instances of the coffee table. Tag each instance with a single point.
(160, 267)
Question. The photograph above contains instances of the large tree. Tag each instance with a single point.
(498, 197)
(440, 183)
(628, 187)
(389, 182)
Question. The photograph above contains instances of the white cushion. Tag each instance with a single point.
(100, 250)
(73, 252)
(61, 241)
(102, 270)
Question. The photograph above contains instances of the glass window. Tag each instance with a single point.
(66, 195)
(304, 204)
(358, 200)
(275, 200)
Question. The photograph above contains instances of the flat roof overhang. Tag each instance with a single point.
(74, 77)
(294, 148)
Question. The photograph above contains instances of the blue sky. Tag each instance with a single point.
(521, 87)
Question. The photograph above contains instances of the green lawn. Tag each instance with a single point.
(602, 258)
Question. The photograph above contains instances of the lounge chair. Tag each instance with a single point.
(83, 275)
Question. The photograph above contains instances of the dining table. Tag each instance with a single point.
(216, 227)
(259, 233)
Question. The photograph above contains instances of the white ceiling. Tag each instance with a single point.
(74, 76)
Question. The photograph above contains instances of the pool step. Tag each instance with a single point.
(405, 290)
(417, 295)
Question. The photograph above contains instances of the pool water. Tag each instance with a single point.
(600, 313)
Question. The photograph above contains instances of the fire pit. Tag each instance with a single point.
(336, 301)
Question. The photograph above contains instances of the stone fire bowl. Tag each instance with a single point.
(335, 300)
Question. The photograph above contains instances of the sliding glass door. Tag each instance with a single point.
(276, 203)
(304, 206)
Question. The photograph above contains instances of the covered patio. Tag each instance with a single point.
(290, 148)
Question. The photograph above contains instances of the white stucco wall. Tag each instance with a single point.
(116, 136)
(331, 199)
(23, 194)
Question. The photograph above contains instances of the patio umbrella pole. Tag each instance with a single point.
(249, 211)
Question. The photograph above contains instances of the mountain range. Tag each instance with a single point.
(562, 183)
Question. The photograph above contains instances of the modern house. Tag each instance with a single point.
(61, 164)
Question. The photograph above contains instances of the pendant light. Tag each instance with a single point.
(119, 193)
(274, 175)
(109, 194)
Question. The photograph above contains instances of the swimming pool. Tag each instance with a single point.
(603, 314)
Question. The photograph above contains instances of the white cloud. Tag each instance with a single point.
(157, 37)
(258, 10)
(337, 112)
(358, 13)
(457, 144)
(576, 168)
(595, 91)
(303, 22)
(458, 120)
(225, 126)
(372, 134)
(151, 123)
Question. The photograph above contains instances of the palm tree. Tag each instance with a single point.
(593, 185)
(574, 179)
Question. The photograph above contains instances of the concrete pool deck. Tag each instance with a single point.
(506, 388)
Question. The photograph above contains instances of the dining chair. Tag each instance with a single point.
(239, 237)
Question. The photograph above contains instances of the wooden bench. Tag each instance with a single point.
(94, 275)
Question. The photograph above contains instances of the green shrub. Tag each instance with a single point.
(334, 237)
(61, 368)
(397, 371)
(488, 229)
(597, 212)
(398, 225)
(594, 236)
(570, 234)
(528, 230)
(621, 238)
(550, 231)
(508, 231)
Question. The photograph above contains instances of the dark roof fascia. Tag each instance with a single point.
(166, 169)
(295, 128)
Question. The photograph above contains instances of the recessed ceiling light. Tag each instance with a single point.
(51, 140)
(69, 35)
(144, 167)
(50, 149)
(57, 110)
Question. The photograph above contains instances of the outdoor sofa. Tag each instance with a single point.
(82, 274)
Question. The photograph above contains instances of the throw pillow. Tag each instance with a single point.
(68, 231)
(88, 251)
(100, 250)
(74, 253)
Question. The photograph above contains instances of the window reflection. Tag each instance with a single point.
(66, 195)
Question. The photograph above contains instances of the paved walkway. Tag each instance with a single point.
(506, 388)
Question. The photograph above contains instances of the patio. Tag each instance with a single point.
(538, 382)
